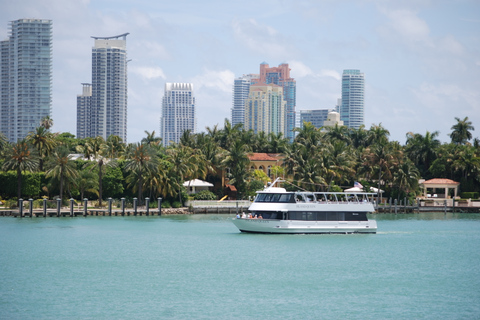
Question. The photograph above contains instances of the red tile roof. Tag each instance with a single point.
(440, 181)
(260, 157)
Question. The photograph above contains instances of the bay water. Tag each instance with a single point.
(418, 266)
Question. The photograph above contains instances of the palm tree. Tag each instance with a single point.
(61, 166)
(187, 163)
(95, 148)
(260, 143)
(229, 134)
(359, 137)
(308, 135)
(406, 177)
(3, 143)
(86, 182)
(422, 150)
(141, 159)
(21, 158)
(341, 161)
(377, 135)
(46, 122)
(277, 142)
(461, 131)
(236, 161)
(151, 139)
(44, 141)
(338, 133)
(382, 158)
(113, 147)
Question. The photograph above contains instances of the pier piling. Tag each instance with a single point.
(20, 208)
(159, 206)
(30, 201)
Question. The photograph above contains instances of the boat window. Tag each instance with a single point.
(269, 214)
(299, 198)
(349, 216)
(273, 197)
(331, 216)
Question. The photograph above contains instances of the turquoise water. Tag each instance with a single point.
(182, 267)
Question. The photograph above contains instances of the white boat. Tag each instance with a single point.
(276, 210)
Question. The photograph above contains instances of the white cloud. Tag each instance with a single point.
(405, 27)
(299, 69)
(219, 80)
(148, 73)
(262, 39)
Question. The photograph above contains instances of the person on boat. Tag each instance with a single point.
(260, 216)
(244, 215)
(238, 216)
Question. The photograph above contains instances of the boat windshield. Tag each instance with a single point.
(274, 197)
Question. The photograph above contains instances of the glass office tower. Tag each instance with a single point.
(352, 105)
(25, 77)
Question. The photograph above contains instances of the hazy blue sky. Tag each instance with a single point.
(421, 58)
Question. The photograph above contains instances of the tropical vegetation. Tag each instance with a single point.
(327, 158)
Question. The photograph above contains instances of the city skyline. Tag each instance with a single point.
(420, 57)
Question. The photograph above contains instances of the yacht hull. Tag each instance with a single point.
(310, 227)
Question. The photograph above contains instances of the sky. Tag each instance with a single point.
(421, 58)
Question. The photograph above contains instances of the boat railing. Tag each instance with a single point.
(335, 198)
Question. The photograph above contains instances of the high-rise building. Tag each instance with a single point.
(315, 117)
(25, 77)
(178, 112)
(281, 76)
(108, 112)
(352, 105)
(265, 109)
(84, 112)
(241, 88)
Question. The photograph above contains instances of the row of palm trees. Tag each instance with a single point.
(318, 159)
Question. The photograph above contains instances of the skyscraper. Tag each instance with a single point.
(84, 112)
(25, 77)
(241, 88)
(352, 105)
(265, 109)
(281, 76)
(178, 112)
(108, 112)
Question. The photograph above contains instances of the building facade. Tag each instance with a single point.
(178, 112)
(281, 76)
(352, 105)
(315, 117)
(333, 119)
(84, 112)
(241, 89)
(265, 109)
(25, 77)
(107, 114)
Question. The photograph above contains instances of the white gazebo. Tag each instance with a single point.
(436, 183)
(196, 185)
